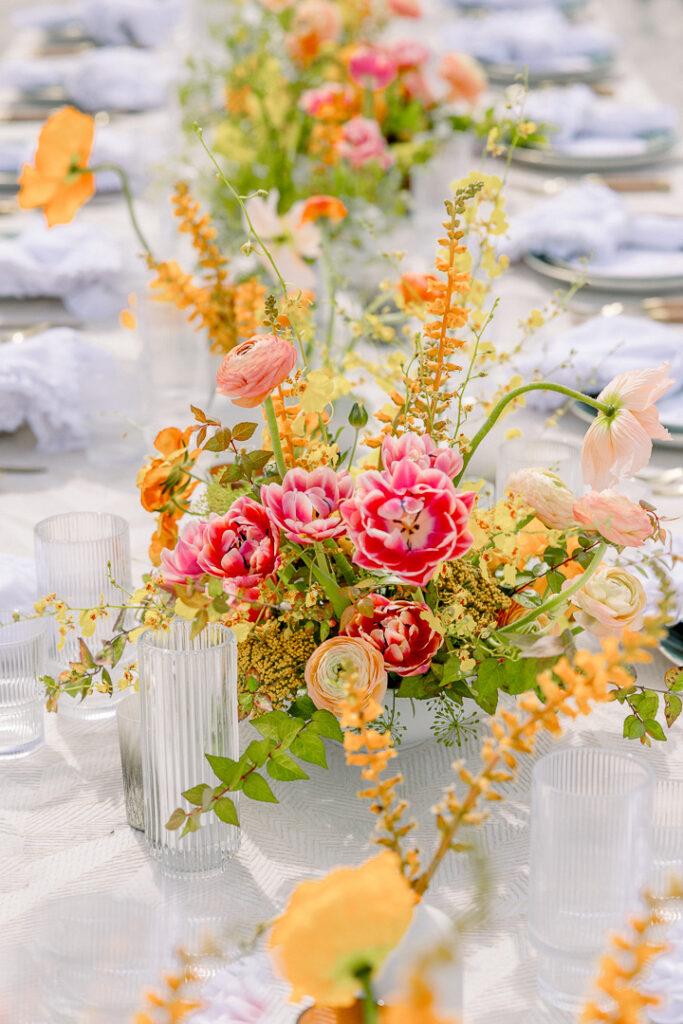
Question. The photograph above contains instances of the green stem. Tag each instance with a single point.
(271, 419)
(342, 562)
(368, 1004)
(128, 196)
(331, 283)
(540, 385)
(353, 448)
(558, 599)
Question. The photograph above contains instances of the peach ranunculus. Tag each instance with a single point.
(341, 660)
(57, 182)
(350, 920)
(547, 494)
(464, 75)
(250, 371)
(372, 68)
(316, 22)
(619, 443)
(615, 517)
(362, 143)
(325, 207)
(610, 601)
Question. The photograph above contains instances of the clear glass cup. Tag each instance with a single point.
(22, 661)
(561, 457)
(129, 726)
(667, 841)
(78, 555)
(188, 687)
(591, 825)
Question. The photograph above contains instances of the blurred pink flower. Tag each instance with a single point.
(421, 449)
(619, 445)
(371, 68)
(407, 53)
(406, 520)
(405, 8)
(306, 505)
(180, 564)
(418, 88)
(614, 517)
(404, 632)
(609, 602)
(250, 371)
(464, 76)
(547, 494)
(290, 242)
(362, 142)
(241, 547)
(314, 101)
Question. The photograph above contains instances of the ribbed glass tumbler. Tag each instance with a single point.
(591, 825)
(80, 557)
(22, 657)
(188, 687)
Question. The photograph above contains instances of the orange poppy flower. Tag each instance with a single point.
(417, 288)
(56, 182)
(165, 536)
(323, 206)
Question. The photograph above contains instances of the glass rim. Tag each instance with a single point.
(121, 525)
(634, 759)
(518, 442)
(146, 639)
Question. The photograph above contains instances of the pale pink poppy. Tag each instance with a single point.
(306, 505)
(250, 371)
(614, 517)
(619, 445)
(372, 68)
(420, 448)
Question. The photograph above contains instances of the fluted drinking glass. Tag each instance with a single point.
(188, 688)
(78, 556)
(591, 825)
(129, 727)
(560, 457)
(22, 657)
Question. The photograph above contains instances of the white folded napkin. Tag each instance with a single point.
(113, 77)
(577, 121)
(589, 355)
(77, 263)
(520, 5)
(108, 22)
(45, 382)
(542, 40)
(18, 588)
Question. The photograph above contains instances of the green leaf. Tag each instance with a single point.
(645, 704)
(672, 708)
(215, 587)
(303, 707)
(258, 751)
(198, 623)
(278, 726)
(176, 819)
(220, 440)
(84, 654)
(118, 646)
(325, 724)
(191, 825)
(198, 413)
(283, 768)
(224, 768)
(195, 794)
(490, 677)
(225, 810)
(633, 728)
(674, 680)
(253, 461)
(256, 788)
(243, 431)
(309, 747)
(106, 679)
(654, 729)
(555, 581)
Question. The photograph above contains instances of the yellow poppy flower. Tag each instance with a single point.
(341, 925)
(56, 181)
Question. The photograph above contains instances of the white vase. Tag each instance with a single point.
(414, 722)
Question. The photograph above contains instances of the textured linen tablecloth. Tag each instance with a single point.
(63, 828)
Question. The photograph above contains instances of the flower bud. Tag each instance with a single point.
(358, 416)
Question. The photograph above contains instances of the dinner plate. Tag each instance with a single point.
(587, 413)
(672, 644)
(583, 69)
(569, 273)
(655, 147)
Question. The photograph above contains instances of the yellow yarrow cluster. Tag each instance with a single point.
(471, 601)
(276, 657)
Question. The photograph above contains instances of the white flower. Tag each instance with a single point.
(246, 992)
(290, 242)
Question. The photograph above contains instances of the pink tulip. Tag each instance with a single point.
(249, 372)
(614, 517)
(362, 142)
(420, 448)
(407, 53)
(619, 445)
(372, 68)
(242, 547)
(181, 565)
(404, 632)
(407, 520)
(306, 505)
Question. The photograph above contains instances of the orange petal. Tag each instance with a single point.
(69, 198)
(35, 189)
(65, 135)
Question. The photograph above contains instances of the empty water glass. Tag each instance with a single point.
(81, 557)
(591, 824)
(188, 686)
(560, 457)
(22, 657)
(667, 843)
(128, 723)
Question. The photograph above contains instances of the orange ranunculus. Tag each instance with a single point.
(328, 207)
(348, 921)
(56, 182)
(417, 288)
